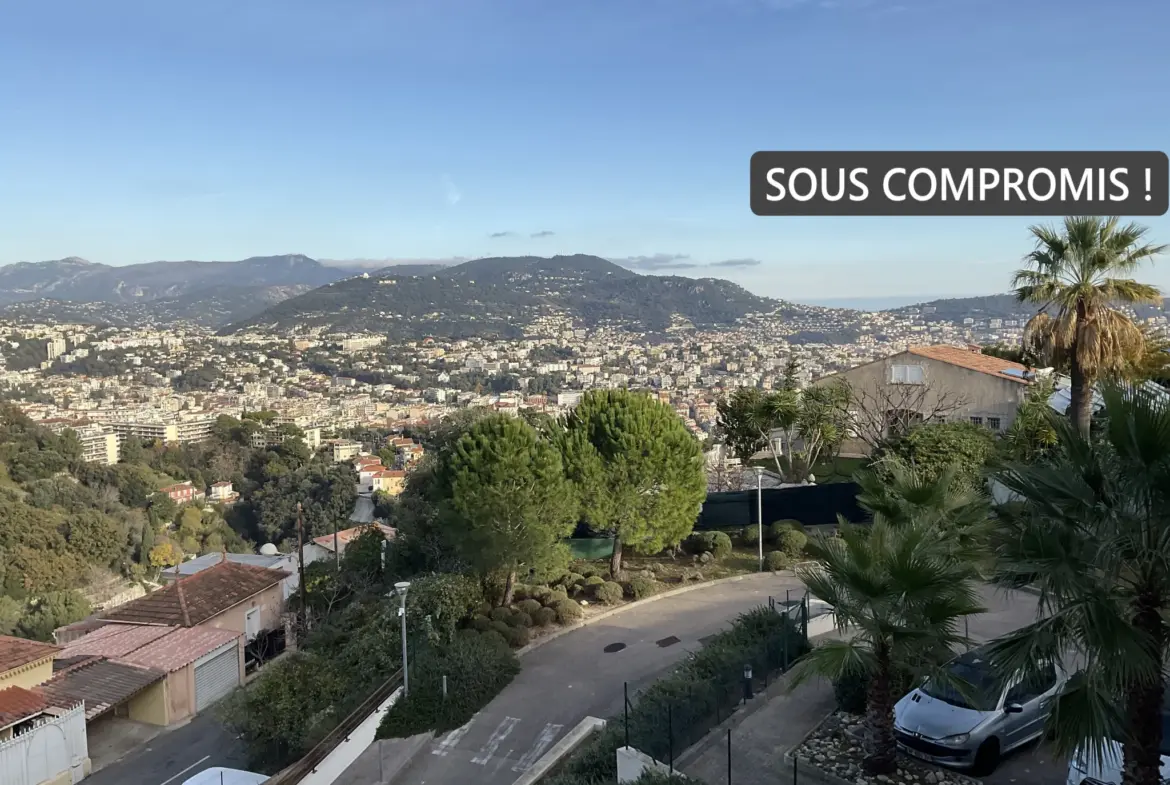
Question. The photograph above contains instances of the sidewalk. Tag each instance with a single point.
(760, 735)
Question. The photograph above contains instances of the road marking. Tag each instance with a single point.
(498, 735)
(542, 741)
(184, 771)
(454, 737)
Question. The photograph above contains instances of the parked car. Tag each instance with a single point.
(973, 726)
(221, 776)
(1084, 771)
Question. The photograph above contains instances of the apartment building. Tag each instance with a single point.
(99, 444)
(172, 430)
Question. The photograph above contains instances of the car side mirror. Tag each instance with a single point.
(1013, 708)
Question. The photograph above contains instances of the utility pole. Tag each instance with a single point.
(301, 560)
(336, 548)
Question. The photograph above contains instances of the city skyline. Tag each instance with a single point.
(462, 129)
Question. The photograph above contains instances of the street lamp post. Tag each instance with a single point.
(400, 589)
(760, 511)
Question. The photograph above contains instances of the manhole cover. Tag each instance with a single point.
(667, 641)
(611, 648)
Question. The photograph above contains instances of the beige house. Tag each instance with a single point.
(938, 383)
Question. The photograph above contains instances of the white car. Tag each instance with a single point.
(221, 776)
(1081, 771)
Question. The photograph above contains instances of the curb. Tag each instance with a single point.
(552, 636)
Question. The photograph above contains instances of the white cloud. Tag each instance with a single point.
(454, 195)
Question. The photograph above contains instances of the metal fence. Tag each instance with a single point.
(674, 713)
(812, 505)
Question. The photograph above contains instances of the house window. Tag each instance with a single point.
(993, 423)
(907, 374)
(976, 420)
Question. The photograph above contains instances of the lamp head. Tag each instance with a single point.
(402, 586)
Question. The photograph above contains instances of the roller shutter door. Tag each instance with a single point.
(216, 674)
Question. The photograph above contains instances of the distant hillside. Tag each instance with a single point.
(77, 280)
(500, 296)
(994, 306)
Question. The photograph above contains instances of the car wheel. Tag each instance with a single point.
(986, 758)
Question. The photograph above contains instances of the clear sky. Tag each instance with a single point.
(137, 130)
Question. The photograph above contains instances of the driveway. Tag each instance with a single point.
(173, 756)
(574, 677)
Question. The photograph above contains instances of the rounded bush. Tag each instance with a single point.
(720, 545)
(783, 526)
(749, 535)
(481, 623)
(594, 580)
(699, 543)
(544, 617)
(528, 606)
(495, 637)
(609, 593)
(517, 637)
(519, 592)
(777, 560)
(501, 614)
(555, 596)
(467, 632)
(592, 574)
(540, 594)
(501, 628)
(521, 619)
(573, 577)
(642, 587)
(792, 542)
(568, 611)
(484, 609)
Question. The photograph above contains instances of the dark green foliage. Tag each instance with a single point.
(777, 561)
(481, 623)
(642, 587)
(518, 637)
(50, 611)
(609, 593)
(717, 543)
(543, 617)
(529, 606)
(494, 638)
(850, 691)
(555, 596)
(933, 447)
(592, 581)
(447, 598)
(792, 542)
(501, 627)
(501, 615)
(749, 535)
(520, 619)
(476, 670)
(568, 611)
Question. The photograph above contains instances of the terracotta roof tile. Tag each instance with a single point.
(115, 640)
(972, 361)
(345, 535)
(100, 682)
(17, 703)
(15, 652)
(195, 599)
(181, 647)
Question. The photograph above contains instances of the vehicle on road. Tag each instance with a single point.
(221, 776)
(970, 720)
(1084, 771)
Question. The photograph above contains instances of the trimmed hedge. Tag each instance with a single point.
(777, 561)
(609, 593)
(517, 637)
(717, 543)
(792, 542)
(476, 670)
(697, 694)
(749, 535)
(528, 606)
(568, 611)
(500, 627)
(481, 623)
(544, 617)
(554, 597)
(642, 587)
(521, 619)
(594, 580)
(501, 614)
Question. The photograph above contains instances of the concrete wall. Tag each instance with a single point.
(181, 693)
(151, 705)
(29, 675)
(271, 605)
(983, 395)
(344, 754)
(632, 763)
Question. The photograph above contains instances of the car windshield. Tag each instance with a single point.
(975, 685)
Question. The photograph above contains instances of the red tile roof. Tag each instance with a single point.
(344, 536)
(17, 703)
(181, 647)
(197, 598)
(101, 683)
(972, 361)
(15, 652)
(115, 640)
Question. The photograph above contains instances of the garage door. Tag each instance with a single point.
(216, 674)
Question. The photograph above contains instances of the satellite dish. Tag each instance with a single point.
(268, 549)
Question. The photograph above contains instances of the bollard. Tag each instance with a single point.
(670, 735)
(747, 683)
(626, 709)
(729, 756)
(444, 687)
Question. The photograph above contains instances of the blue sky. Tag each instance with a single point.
(136, 130)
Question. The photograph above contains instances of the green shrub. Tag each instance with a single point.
(699, 542)
(540, 594)
(521, 619)
(555, 596)
(495, 638)
(572, 578)
(609, 593)
(528, 606)
(594, 580)
(749, 535)
(481, 623)
(592, 574)
(517, 637)
(850, 691)
(544, 617)
(786, 525)
(501, 614)
(777, 561)
(642, 587)
(792, 542)
(468, 632)
(484, 608)
(500, 627)
(519, 592)
(448, 598)
(476, 670)
(568, 611)
(720, 545)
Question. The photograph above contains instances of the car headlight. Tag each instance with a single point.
(958, 738)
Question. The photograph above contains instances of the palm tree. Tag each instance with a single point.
(1093, 536)
(902, 593)
(1073, 274)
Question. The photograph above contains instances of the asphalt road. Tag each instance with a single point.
(573, 677)
(172, 757)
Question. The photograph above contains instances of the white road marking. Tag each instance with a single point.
(542, 741)
(454, 737)
(184, 771)
(493, 743)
